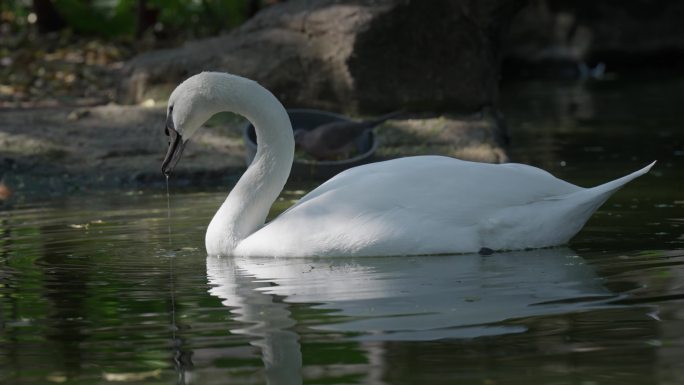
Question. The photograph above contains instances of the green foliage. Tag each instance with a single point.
(105, 18)
(119, 18)
(14, 13)
(201, 17)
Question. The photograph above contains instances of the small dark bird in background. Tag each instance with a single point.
(332, 141)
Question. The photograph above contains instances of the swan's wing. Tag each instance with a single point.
(409, 179)
(409, 203)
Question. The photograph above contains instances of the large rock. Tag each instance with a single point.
(364, 55)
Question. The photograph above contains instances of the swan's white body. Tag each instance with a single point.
(430, 205)
(408, 206)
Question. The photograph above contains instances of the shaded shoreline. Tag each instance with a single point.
(56, 151)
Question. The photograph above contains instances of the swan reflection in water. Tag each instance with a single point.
(398, 298)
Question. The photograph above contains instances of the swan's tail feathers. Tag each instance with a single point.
(612, 186)
(575, 209)
(592, 198)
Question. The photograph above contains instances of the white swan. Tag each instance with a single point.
(407, 206)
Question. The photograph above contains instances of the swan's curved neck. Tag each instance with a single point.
(246, 207)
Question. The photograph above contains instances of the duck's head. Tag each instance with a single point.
(191, 104)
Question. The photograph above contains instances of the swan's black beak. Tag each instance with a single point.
(176, 145)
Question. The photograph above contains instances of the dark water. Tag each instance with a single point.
(93, 290)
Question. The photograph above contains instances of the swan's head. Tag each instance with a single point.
(191, 104)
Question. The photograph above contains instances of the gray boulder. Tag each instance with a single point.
(353, 56)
